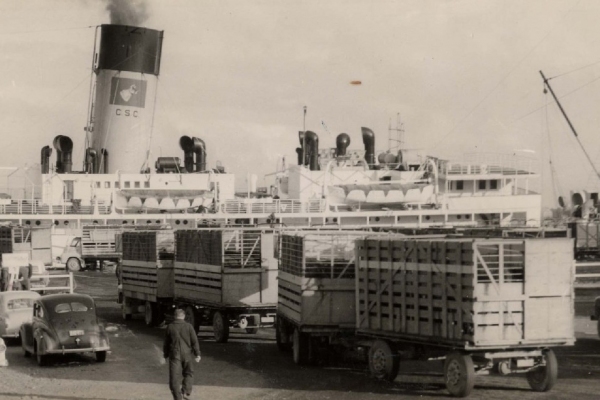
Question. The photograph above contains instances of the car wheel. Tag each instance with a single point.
(101, 356)
(26, 353)
(42, 360)
(73, 265)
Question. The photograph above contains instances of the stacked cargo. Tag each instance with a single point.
(147, 272)
(227, 275)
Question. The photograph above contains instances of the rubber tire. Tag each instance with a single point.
(461, 365)
(220, 327)
(383, 362)
(251, 331)
(42, 360)
(150, 314)
(544, 378)
(101, 356)
(301, 347)
(126, 317)
(26, 352)
(280, 333)
(192, 318)
(73, 265)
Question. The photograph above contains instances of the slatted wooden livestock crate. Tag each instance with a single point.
(99, 241)
(227, 275)
(226, 267)
(471, 294)
(316, 280)
(147, 272)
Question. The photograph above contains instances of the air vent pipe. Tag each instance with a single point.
(46, 152)
(187, 145)
(369, 142)
(341, 143)
(200, 149)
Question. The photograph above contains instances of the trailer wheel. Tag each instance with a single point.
(459, 374)
(73, 265)
(220, 327)
(191, 318)
(383, 363)
(544, 378)
(126, 316)
(150, 314)
(301, 347)
(282, 337)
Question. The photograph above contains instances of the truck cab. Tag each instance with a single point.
(72, 255)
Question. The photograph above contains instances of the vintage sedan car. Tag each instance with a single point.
(63, 324)
(3, 361)
(15, 310)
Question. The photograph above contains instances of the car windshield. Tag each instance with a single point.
(19, 304)
(63, 308)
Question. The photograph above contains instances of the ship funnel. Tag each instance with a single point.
(187, 145)
(312, 150)
(369, 141)
(341, 143)
(127, 65)
(46, 152)
(64, 150)
(200, 149)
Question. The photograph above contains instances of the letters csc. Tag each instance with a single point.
(127, 113)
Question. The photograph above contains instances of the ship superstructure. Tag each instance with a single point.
(338, 186)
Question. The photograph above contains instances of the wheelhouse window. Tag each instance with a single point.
(494, 184)
(460, 185)
(481, 185)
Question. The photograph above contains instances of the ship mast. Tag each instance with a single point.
(398, 131)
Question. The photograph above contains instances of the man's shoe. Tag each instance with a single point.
(186, 396)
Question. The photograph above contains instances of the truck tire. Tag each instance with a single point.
(282, 336)
(383, 362)
(220, 327)
(101, 356)
(73, 265)
(192, 318)
(544, 378)
(301, 347)
(150, 314)
(459, 374)
(126, 316)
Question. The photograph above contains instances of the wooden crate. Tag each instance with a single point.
(147, 280)
(147, 267)
(226, 267)
(467, 293)
(316, 279)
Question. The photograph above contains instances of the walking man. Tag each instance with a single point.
(180, 347)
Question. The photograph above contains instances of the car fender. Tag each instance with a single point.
(45, 339)
(26, 332)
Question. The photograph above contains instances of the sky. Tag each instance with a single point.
(463, 75)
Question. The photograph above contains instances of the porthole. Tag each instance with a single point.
(177, 222)
(66, 222)
(38, 223)
(185, 222)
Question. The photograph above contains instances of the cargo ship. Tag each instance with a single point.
(335, 186)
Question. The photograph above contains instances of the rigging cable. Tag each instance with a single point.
(505, 77)
(570, 125)
(555, 183)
